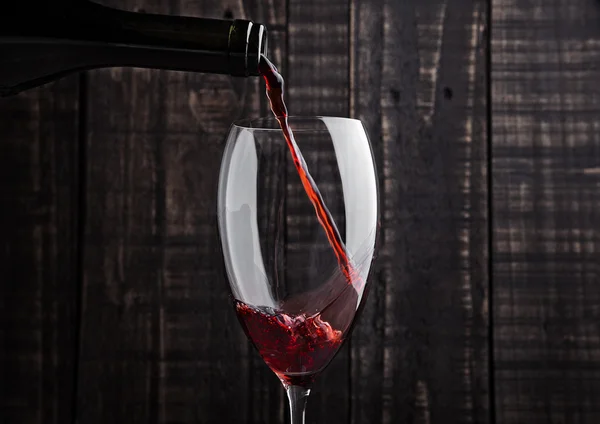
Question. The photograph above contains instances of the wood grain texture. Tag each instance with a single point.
(161, 343)
(317, 84)
(272, 13)
(546, 150)
(419, 352)
(38, 262)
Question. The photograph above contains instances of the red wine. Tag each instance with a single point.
(275, 90)
(297, 344)
(296, 348)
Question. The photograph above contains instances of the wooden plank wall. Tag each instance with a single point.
(546, 153)
(113, 301)
(419, 353)
(38, 253)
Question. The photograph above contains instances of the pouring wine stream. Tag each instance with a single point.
(275, 91)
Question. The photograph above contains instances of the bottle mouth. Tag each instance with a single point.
(257, 46)
(247, 42)
(263, 43)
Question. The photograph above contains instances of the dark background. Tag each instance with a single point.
(114, 305)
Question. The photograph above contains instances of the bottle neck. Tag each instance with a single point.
(38, 46)
(173, 42)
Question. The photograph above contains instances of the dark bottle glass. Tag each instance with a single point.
(41, 43)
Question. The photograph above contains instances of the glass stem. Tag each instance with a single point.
(297, 396)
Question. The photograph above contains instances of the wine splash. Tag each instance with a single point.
(296, 348)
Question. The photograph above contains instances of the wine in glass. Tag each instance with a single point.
(297, 280)
(297, 275)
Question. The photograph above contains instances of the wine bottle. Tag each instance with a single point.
(42, 43)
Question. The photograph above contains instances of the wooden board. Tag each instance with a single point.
(546, 150)
(38, 257)
(419, 352)
(161, 342)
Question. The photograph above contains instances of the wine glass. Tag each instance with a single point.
(295, 294)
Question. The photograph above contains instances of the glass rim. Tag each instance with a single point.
(270, 123)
